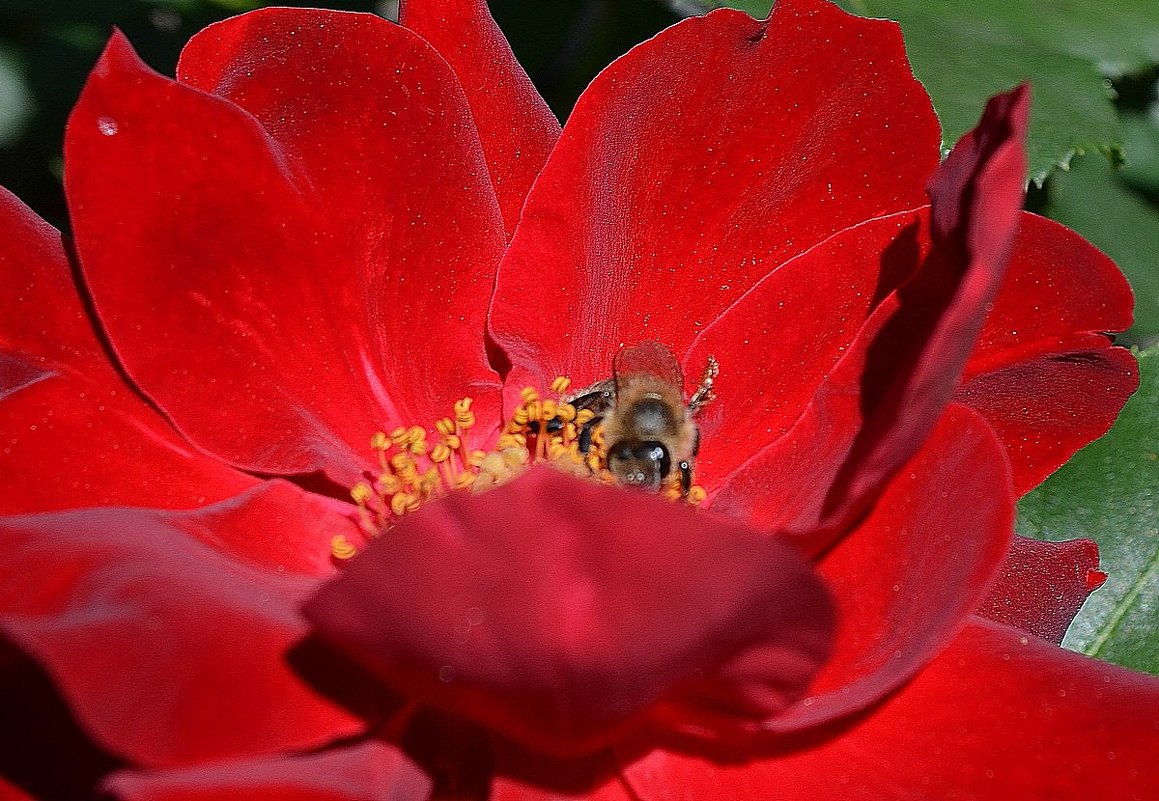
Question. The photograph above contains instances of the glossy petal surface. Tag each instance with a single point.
(532, 609)
(999, 715)
(1044, 373)
(169, 651)
(371, 771)
(1042, 586)
(75, 434)
(885, 394)
(907, 577)
(697, 164)
(515, 125)
(279, 270)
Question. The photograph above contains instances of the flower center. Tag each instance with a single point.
(413, 468)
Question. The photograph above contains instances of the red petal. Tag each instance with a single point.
(1043, 372)
(169, 651)
(778, 345)
(75, 433)
(911, 573)
(886, 393)
(999, 716)
(1043, 585)
(697, 164)
(517, 128)
(281, 291)
(371, 771)
(559, 611)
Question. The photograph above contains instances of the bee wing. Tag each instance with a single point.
(648, 359)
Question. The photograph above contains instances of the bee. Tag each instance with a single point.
(648, 428)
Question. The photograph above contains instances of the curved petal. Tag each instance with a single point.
(170, 652)
(1044, 373)
(886, 393)
(779, 343)
(911, 573)
(370, 771)
(695, 165)
(1042, 586)
(288, 261)
(515, 125)
(560, 612)
(999, 715)
(75, 433)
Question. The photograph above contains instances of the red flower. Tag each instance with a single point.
(301, 242)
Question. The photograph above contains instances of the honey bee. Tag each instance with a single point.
(648, 428)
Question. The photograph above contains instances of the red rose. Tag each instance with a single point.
(331, 226)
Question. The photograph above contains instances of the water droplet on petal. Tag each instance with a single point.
(108, 126)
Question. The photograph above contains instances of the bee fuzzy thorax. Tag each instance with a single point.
(416, 464)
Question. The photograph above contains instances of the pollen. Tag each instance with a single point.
(416, 464)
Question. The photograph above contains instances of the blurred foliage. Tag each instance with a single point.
(1109, 492)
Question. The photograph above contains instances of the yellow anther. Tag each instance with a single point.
(477, 458)
(389, 484)
(560, 384)
(550, 409)
(520, 416)
(403, 502)
(380, 441)
(566, 412)
(416, 434)
(399, 436)
(464, 480)
(361, 493)
(453, 441)
(511, 441)
(440, 453)
(418, 448)
(341, 548)
(696, 495)
(463, 414)
(534, 410)
(529, 394)
(445, 426)
(584, 416)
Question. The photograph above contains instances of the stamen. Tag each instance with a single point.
(413, 468)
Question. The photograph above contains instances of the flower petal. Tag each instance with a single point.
(75, 433)
(909, 575)
(999, 715)
(695, 165)
(884, 396)
(284, 257)
(369, 771)
(169, 651)
(515, 125)
(559, 612)
(1043, 585)
(1043, 372)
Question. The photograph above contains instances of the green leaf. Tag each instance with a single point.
(1141, 149)
(1093, 200)
(1109, 492)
